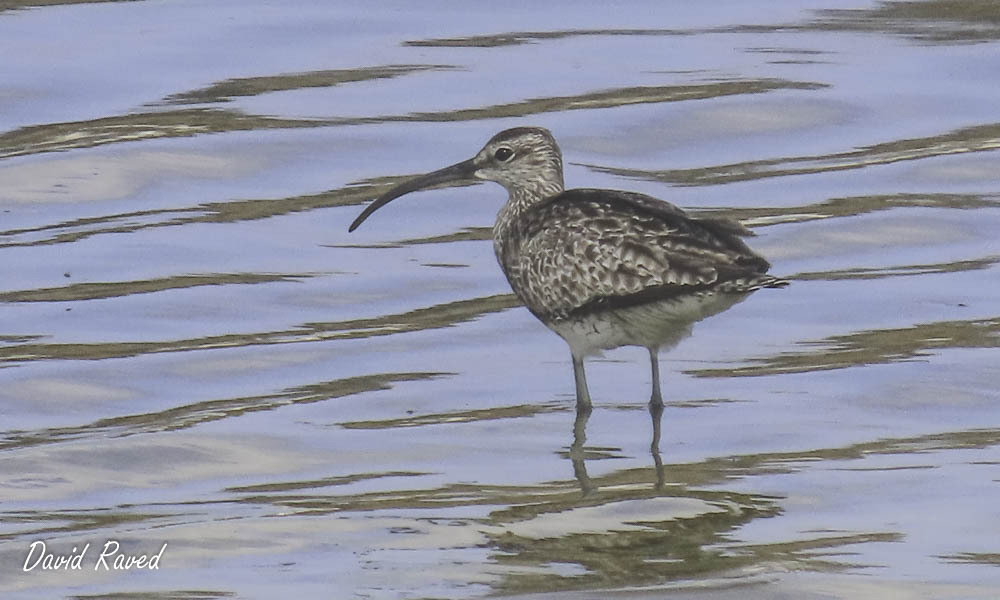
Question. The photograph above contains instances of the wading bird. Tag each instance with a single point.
(601, 268)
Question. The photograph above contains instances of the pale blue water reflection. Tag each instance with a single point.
(194, 351)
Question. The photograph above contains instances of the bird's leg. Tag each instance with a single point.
(654, 360)
(582, 393)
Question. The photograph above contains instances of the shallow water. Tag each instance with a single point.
(194, 351)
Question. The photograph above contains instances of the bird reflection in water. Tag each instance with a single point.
(578, 451)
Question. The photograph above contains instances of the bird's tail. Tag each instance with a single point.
(771, 281)
(750, 284)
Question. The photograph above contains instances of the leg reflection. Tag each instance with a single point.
(656, 416)
(576, 451)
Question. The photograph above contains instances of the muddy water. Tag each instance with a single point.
(194, 352)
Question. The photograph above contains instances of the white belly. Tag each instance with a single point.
(652, 325)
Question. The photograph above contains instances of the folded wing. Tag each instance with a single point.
(587, 250)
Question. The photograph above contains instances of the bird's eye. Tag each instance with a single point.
(503, 154)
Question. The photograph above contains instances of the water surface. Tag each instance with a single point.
(194, 351)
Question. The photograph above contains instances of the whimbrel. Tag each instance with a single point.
(601, 268)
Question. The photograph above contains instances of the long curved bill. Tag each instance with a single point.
(458, 172)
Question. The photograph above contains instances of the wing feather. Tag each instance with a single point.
(589, 249)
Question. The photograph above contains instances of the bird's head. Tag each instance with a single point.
(525, 160)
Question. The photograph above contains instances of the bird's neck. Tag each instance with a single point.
(521, 198)
(507, 230)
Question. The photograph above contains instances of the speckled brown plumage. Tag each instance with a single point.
(602, 268)
(586, 250)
